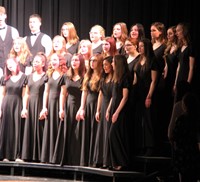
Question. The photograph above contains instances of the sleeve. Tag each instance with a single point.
(126, 82)
(46, 78)
(2, 81)
(15, 33)
(47, 43)
(62, 80)
(25, 80)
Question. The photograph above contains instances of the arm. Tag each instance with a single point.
(99, 102)
(25, 97)
(62, 102)
(154, 75)
(47, 43)
(81, 112)
(121, 105)
(191, 69)
(2, 94)
(108, 110)
(44, 112)
(177, 71)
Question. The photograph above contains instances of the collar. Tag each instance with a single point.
(2, 28)
(35, 34)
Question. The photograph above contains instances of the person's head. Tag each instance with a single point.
(97, 33)
(35, 22)
(120, 67)
(158, 32)
(145, 48)
(57, 62)
(59, 44)
(3, 16)
(171, 34)
(19, 45)
(68, 31)
(183, 34)
(11, 67)
(109, 46)
(85, 47)
(120, 31)
(77, 64)
(137, 31)
(190, 104)
(131, 46)
(39, 62)
(107, 65)
(96, 62)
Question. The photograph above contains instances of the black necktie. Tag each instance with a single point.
(2, 28)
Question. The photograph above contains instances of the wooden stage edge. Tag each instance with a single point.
(28, 168)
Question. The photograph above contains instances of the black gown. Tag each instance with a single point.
(89, 128)
(52, 121)
(101, 150)
(118, 136)
(33, 129)
(67, 150)
(11, 126)
(143, 124)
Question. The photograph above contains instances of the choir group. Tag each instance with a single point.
(96, 102)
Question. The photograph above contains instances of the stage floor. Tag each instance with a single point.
(9, 178)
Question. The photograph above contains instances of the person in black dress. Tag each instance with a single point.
(120, 34)
(161, 121)
(186, 56)
(87, 110)
(68, 31)
(21, 51)
(97, 34)
(101, 151)
(68, 151)
(54, 89)
(116, 113)
(11, 126)
(145, 79)
(32, 105)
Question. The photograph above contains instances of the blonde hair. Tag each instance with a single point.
(101, 30)
(24, 51)
(62, 65)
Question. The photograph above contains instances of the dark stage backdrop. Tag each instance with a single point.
(86, 13)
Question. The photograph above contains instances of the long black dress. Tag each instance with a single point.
(11, 126)
(143, 124)
(89, 128)
(118, 136)
(101, 150)
(52, 122)
(33, 129)
(68, 149)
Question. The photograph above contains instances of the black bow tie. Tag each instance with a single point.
(33, 34)
(2, 28)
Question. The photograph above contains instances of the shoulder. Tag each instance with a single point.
(15, 32)
(46, 37)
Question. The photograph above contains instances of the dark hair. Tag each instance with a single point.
(182, 87)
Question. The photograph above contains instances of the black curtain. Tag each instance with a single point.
(86, 13)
